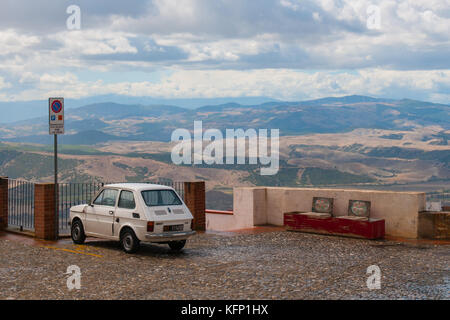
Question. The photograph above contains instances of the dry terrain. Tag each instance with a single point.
(366, 158)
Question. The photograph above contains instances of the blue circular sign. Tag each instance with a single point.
(56, 106)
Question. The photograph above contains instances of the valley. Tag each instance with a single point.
(351, 141)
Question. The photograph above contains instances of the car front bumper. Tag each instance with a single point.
(168, 236)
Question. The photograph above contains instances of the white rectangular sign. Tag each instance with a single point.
(56, 115)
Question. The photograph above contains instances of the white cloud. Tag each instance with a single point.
(276, 83)
(12, 42)
(49, 80)
(285, 49)
(227, 49)
(95, 42)
(294, 5)
(4, 84)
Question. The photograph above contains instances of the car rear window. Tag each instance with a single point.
(154, 198)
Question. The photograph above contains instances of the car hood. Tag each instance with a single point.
(79, 208)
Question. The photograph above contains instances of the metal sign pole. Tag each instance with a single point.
(56, 185)
(56, 126)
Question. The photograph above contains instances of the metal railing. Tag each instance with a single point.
(177, 185)
(21, 204)
(73, 194)
(442, 196)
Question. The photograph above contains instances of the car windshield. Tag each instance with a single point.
(154, 198)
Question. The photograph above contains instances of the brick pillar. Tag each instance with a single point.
(194, 197)
(44, 211)
(3, 203)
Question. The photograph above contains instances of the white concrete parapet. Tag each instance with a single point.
(266, 205)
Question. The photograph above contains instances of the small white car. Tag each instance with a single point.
(131, 213)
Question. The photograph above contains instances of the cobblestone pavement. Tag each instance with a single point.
(269, 265)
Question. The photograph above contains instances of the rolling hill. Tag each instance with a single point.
(111, 121)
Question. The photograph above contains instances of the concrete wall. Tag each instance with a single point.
(250, 212)
(399, 209)
(259, 206)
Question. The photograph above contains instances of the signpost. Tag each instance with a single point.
(56, 116)
(56, 126)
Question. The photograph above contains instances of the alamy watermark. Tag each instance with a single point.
(373, 22)
(74, 280)
(374, 280)
(191, 151)
(373, 17)
(73, 22)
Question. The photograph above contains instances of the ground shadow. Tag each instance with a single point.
(146, 249)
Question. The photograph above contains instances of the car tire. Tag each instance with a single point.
(77, 232)
(130, 243)
(177, 245)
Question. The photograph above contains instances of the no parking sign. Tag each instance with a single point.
(56, 115)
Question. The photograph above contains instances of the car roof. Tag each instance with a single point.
(138, 186)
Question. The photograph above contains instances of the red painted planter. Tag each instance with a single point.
(371, 229)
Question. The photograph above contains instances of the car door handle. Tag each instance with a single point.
(111, 212)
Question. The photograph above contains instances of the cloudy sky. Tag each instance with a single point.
(283, 49)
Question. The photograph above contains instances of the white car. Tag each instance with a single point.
(133, 213)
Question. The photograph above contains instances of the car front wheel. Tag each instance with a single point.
(177, 245)
(129, 241)
(77, 232)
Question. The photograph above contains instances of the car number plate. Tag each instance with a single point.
(178, 227)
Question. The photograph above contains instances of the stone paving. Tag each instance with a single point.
(266, 265)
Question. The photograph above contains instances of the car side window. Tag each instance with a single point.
(99, 199)
(109, 197)
(126, 200)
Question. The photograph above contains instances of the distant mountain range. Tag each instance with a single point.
(23, 110)
(101, 122)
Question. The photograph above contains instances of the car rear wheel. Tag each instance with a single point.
(177, 245)
(77, 232)
(130, 243)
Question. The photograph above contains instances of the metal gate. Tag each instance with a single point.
(21, 204)
(73, 194)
